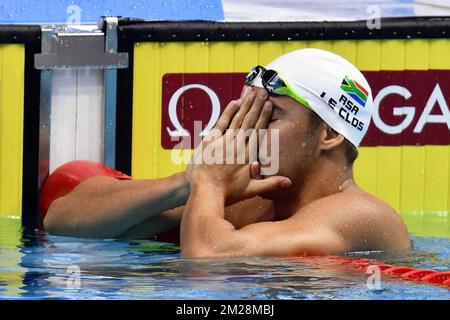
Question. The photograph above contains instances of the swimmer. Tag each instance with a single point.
(320, 105)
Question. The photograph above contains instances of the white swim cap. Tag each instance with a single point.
(330, 86)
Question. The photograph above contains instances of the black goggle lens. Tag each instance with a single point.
(253, 75)
(271, 81)
(269, 78)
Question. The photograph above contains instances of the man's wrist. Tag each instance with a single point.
(181, 179)
(182, 187)
(206, 187)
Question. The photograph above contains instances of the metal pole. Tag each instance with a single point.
(110, 94)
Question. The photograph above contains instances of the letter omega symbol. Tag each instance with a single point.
(179, 130)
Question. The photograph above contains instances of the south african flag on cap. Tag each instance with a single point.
(355, 90)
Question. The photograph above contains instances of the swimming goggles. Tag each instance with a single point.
(274, 83)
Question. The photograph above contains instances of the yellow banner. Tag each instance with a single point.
(12, 66)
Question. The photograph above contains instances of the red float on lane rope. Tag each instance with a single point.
(402, 272)
(417, 274)
(397, 270)
(437, 277)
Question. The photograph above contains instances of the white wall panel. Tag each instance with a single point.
(90, 115)
(63, 117)
(77, 115)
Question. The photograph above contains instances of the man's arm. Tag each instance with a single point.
(205, 232)
(103, 207)
(239, 215)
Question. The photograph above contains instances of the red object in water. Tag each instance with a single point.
(66, 177)
(361, 265)
(437, 277)
(397, 270)
(403, 272)
(383, 266)
(417, 274)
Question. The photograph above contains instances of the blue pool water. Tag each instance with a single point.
(41, 266)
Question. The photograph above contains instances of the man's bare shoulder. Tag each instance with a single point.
(363, 220)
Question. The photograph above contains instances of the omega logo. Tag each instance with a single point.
(179, 130)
